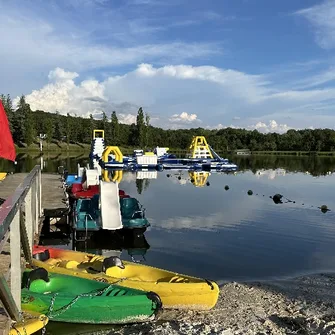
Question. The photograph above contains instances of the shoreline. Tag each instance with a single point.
(300, 305)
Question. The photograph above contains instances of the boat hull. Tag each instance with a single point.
(175, 290)
(78, 300)
(29, 326)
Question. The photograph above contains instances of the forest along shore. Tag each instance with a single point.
(303, 305)
(29, 126)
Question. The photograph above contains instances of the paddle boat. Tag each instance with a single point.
(175, 290)
(133, 213)
(77, 300)
(86, 215)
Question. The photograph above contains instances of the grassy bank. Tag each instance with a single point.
(53, 147)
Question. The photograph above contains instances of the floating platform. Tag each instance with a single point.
(201, 156)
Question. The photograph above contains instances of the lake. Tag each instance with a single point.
(219, 231)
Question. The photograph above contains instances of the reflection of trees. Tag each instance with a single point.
(139, 185)
(315, 165)
(142, 185)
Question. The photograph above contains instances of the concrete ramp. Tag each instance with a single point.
(110, 206)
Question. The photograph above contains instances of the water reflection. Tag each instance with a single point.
(314, 165)
(228, 233)
(109, 243)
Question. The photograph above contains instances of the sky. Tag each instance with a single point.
(255, 64)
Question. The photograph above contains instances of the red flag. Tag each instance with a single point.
(7, 148)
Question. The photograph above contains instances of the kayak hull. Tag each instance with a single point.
(175, 290)
(29, 326)
(78, 300)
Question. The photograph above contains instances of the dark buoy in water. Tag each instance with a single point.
(250, 192)
(226, 187)
(324, 209)
(179, 178)
(168, 175)
(208, 183)
(277, 198)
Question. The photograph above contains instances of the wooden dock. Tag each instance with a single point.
(11, 182)
(53, 196)
(54, 204)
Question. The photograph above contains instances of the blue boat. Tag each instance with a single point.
(86, 216)
(133, 214)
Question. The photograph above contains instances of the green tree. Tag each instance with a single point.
(30, 133)
(92, 125)
(49, 130)
(19, 121)
(24, 125)
(59, 130)
(114, 129)
(106, 127)
(68, 129)
(147, 129)
(140, 127)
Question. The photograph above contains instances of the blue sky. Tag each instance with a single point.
(258, 64)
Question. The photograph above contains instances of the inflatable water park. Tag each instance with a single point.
(200, 157)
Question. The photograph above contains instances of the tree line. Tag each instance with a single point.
(27, 125)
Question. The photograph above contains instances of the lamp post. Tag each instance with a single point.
(42, 137)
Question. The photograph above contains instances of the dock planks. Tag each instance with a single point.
(53, 201)
(11, 182)
(53, 195)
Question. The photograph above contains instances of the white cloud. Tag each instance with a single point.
(169, 93)
(318, 79)
(126, 118)
(55, 39)
(220, 126)
(184, 118)
(322, 17)
(270, 173)
(59, 74)
(271, 127)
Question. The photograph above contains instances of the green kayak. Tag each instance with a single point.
(78, 300)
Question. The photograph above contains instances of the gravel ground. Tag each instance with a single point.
(304, 305)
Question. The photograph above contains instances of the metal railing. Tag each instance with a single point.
(19, 221)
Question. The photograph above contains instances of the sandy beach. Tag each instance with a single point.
(303, 305)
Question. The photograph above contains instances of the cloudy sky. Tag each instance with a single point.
(258, 64)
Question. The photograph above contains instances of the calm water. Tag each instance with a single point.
(227, 234)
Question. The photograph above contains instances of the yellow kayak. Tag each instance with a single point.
(29, 326)
(175, 290)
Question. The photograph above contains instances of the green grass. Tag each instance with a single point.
(54, 147)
